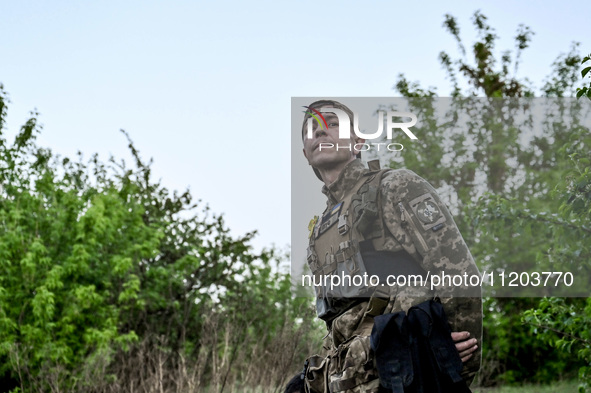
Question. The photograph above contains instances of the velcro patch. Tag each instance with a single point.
(427, 211)
(329, 219)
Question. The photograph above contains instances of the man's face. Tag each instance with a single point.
(321, 150)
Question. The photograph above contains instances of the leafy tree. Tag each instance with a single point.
(566, 323)
(586, 90)
(500, 179)
(109, 282)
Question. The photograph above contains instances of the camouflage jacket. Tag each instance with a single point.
(413, 219)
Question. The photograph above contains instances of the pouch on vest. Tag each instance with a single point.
(351, 368)
(365, 210)
(315, 374)
(348, 277)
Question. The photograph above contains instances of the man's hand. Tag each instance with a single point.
(464, 346)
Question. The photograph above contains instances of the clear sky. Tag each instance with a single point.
(205, 88)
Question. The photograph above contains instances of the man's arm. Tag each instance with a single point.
(422, 224)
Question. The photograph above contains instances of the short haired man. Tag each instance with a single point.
(385, 222)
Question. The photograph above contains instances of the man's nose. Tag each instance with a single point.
(318, 132)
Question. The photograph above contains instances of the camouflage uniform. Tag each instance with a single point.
(411, 220)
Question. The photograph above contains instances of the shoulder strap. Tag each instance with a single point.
(366, 206)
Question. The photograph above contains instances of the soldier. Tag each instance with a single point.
(383, 222)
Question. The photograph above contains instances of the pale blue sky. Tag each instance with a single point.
(204, 88)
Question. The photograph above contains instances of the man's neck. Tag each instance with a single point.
(330, 175)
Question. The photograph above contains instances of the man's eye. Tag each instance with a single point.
(333, 124)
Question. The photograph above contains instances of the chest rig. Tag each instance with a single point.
(337, 240)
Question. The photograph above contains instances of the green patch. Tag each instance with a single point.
(560, 387)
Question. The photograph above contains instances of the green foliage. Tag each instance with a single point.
(60, 248)
(565, 324)
(515, 195)
(585, 72)
(559, 233)
(104, 273)
(557, 229)
(483, 74)
(564, 76)
(559, 386)
(517, 356)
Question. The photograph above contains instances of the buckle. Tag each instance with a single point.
(343, 226)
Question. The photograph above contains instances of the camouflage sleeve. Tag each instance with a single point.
(414, 214)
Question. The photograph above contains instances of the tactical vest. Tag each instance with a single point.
(347, 241)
